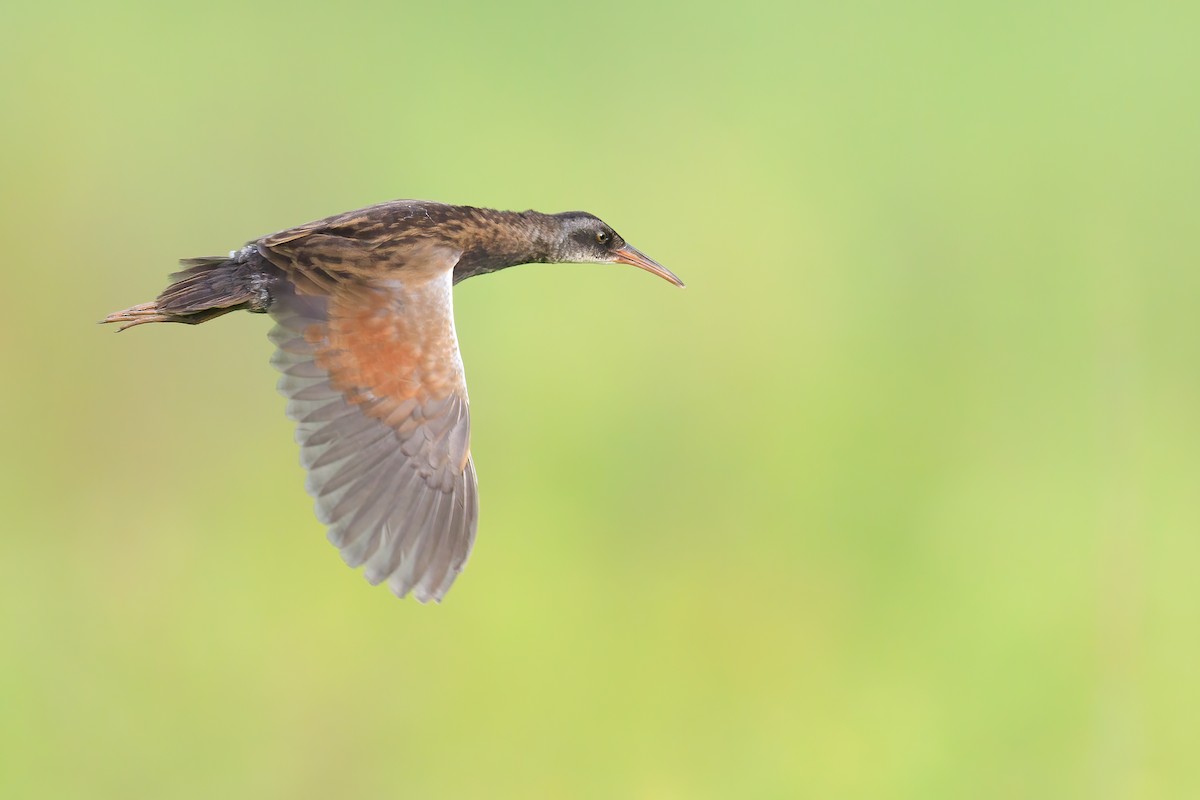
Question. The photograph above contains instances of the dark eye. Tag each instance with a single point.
(602, 237)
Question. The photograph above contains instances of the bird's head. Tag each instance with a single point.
(580, 237)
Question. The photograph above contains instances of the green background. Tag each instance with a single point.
(898, 499)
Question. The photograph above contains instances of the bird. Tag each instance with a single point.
(370, 364)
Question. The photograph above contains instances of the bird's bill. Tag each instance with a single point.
(636, 258)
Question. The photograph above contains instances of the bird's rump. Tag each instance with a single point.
(374, 383)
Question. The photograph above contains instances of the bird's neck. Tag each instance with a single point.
(501, 239)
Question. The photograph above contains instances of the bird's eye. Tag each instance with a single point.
(602, 237)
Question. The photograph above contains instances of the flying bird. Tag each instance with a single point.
(370, 365)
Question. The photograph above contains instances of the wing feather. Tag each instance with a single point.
(374, 383)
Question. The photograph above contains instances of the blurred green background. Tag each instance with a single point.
(897, 500)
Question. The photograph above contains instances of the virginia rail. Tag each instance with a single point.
(370, 365)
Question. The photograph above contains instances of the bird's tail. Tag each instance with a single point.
(204, 289)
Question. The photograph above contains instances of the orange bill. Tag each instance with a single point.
(636, 258)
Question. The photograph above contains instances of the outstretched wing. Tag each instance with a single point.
(374, 381)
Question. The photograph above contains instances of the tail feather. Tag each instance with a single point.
(206, 288)
(139, 315)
